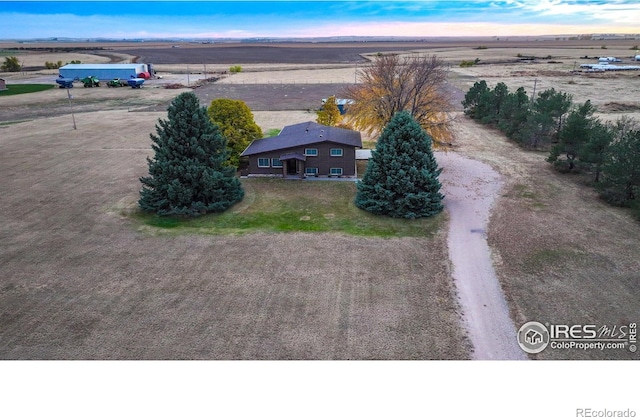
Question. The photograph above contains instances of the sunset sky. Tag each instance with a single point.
(243, 19)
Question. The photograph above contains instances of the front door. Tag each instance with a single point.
(292, 167)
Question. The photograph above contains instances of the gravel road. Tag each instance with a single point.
(470, 188)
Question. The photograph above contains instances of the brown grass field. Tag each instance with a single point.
(80, 280)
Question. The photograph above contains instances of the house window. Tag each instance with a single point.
(336, 151)
(311, 152)
(276, 163)
(263, 163)
(311, 171)
(335, 171)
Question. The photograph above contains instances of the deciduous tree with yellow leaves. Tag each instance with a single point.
(393, 83)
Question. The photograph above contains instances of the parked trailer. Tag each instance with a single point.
(64, 82)
(135, 82)
(609, 59)
(609, 67)
(103, 72)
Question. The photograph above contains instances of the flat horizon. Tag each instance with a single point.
(24, 20)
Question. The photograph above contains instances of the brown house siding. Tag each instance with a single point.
(323, 161)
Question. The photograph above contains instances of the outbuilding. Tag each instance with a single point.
(3, 84)
(105, 72)
(305, 149)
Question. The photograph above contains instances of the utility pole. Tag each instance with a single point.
(71, 107)
(187, 75)
(533, 95)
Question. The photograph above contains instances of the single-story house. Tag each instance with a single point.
(305, 149)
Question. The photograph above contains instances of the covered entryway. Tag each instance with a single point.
(293, 165)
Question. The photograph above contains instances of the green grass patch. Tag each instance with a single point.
(369, 144)
(272, 132)
(6, 52)
(277, 206)
(12, 122)
(15, 89)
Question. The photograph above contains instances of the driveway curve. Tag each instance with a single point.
(470, 188)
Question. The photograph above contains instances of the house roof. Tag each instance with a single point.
(302, 134)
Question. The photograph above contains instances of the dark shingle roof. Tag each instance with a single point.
(304, 134)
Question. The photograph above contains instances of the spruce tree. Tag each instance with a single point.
(576, 131)
(621, 170)
(188, 174)
(401, 179)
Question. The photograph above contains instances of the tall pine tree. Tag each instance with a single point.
(188, 174)
(401, 179)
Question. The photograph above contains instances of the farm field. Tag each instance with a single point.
(80, 275)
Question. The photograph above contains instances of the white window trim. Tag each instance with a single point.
(276, 166)
(306, 171)
(332, 173)
(336, 149)
(264, 166)
(308, 154)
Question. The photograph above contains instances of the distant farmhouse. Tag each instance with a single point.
(305, 149)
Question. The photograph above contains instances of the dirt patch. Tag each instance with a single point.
(615, 107)
(294, 53)
(271, 97)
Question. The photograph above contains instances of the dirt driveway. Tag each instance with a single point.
(471, 188)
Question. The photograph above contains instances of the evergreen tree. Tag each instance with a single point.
(575, 133)
(621, 170)
(552, 105)
(514, 113)
(401, 179)
(594, 152)
(495, 103)
(188, 174)
(473, 98)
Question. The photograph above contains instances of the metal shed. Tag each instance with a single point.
(103, 72)
(3, 84)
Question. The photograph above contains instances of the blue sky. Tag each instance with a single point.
(238, 19)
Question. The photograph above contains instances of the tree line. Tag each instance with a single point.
(579, 142)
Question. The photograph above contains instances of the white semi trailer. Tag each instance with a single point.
(103, 72)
